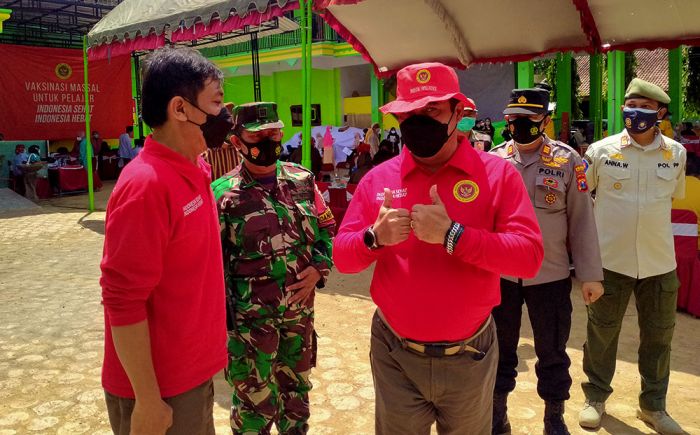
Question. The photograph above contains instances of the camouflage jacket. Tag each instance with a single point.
(269, 236)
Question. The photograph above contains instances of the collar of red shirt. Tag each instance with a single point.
(464, 159)
(180, 163)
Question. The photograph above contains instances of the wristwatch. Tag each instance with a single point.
(370, 239)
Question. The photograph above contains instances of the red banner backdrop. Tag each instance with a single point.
(41, 94)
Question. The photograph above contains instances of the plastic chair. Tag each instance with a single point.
(685, 240)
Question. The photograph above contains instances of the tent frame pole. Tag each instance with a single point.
(595, 107)
(255, 61)
(525, 74)
(675, 91)
(306, 45)
(616, 90)
(564, 100)
(88, 145)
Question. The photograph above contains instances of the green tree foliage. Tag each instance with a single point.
(548, 69)
(691, 82)
(630, 67)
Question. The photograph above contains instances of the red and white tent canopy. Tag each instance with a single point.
(137, 25)
(393, 33)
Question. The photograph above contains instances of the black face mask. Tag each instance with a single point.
(424, 136)
(263, 153)
(216, 128)
(524, 130)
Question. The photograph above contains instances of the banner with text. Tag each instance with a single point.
(41, 94)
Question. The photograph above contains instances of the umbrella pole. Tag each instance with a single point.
(309, 59)
(255, 53)
(306, 128)
(596, 95)
(525, 72)
(616, 90)
(564, 103)
(88, 145)
(675, 69)
(377, 98)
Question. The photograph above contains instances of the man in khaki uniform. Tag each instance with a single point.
(635, 174)
(556, 183)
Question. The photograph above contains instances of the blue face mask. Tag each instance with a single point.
(466, 124)
(639, 120)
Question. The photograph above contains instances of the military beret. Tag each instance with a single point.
(641, 88)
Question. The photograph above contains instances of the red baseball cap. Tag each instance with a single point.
(422, 83)
(470, 105)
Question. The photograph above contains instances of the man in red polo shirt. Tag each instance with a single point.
(162, 276)
(442, 222)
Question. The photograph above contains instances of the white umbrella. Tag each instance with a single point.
(394, 33)
(136, 25)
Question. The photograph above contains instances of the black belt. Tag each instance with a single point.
(439, 349)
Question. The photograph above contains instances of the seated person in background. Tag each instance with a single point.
(489, 128)
(384, 153)
(692, 187)
(75, 152)
(107, 162)
(96, 142)
(578, 141)
(364, 165)
(34, 155)
(395, 140)
(350, 163)
(666, 127)
(106, 150)
(316, 159)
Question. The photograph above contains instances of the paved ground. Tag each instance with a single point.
(51, 338)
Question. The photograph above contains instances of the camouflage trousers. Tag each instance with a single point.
(270, 359)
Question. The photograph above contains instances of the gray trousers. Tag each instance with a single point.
(193, 412)
(414, 391)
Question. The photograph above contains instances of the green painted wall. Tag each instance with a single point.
(284, 88)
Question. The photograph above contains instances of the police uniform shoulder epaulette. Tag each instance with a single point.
(613, 139)
(504, 150)
(497, 147)
(563, 145)
(672, 143)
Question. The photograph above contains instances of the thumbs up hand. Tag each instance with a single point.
(393, 225)
(430, 222)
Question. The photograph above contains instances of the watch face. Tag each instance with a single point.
(369, 238)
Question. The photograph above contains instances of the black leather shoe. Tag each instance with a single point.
(554, 419)
(500, 424)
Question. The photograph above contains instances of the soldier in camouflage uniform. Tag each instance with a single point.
(276, 235)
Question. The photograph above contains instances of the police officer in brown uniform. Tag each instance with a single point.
(555, 179)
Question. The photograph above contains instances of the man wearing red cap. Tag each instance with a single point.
(479, 140)
(442, 222)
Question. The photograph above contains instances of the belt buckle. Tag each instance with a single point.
(434, 350)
